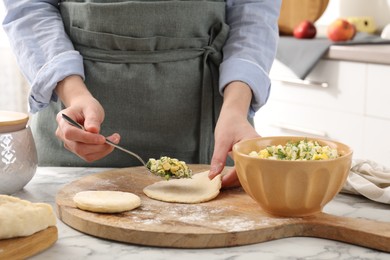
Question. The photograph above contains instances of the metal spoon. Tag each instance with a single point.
(74, 123)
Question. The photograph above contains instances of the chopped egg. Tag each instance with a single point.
(294, 151)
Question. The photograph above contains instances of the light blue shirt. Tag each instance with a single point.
(46, 55)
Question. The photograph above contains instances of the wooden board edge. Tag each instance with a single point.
(28, 246)
(176, 239)
(355, 231)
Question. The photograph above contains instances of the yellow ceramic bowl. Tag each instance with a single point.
(290, 188)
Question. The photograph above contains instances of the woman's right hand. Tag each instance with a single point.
(82, 107)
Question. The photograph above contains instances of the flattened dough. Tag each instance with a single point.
(19, 218)
(106, 201)
(197, 189)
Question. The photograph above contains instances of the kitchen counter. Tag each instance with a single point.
(73, 244)
(379, 53)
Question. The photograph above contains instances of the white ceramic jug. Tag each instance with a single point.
(18, 155)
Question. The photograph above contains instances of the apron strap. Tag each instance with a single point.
(211, 99)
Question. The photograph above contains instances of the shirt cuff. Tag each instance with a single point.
(60, 67)
(250, 73)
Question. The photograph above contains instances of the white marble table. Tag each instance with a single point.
(74, 245)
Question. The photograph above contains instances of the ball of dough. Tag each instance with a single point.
(19, 218)
(106, 201)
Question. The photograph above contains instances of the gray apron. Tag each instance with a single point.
(153, 65)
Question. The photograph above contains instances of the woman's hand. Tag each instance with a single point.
(232, 127)
(82, 107)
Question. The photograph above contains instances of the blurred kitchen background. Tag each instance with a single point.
(345, 96)
(353, 108)
(14, 88)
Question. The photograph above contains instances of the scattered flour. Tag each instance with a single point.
(232, 221)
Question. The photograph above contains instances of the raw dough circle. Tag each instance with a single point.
(197, 189)
(106, 201)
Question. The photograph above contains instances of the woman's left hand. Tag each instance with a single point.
(232, 127)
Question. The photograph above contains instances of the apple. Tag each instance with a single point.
(341, 30)
(305, 30)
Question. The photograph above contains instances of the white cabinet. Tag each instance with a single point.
(377, 140)
(282, 118)
(345, 91)
(377, 122)
(353, 108)
(378, 91)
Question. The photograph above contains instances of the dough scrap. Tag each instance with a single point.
(197, 189)
(19, 218)
(106, 201)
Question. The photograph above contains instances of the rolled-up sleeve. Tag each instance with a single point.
(42, 48)
(251, 46)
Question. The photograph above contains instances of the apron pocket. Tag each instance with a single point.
(109, 41)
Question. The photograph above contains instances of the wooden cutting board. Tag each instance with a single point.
(231, 219)
(24, 247)
(292, 12)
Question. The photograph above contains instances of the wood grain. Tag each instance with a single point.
(293, 12)
(231, 219)
(24, 247)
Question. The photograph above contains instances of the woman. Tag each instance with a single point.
(152, 71)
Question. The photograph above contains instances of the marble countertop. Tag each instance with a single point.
(379, 53)
(73, 244)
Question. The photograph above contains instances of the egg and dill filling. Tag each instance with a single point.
(169, 168)
(303, 150)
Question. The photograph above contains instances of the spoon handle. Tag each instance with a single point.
(74, 123)
(126, 151)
